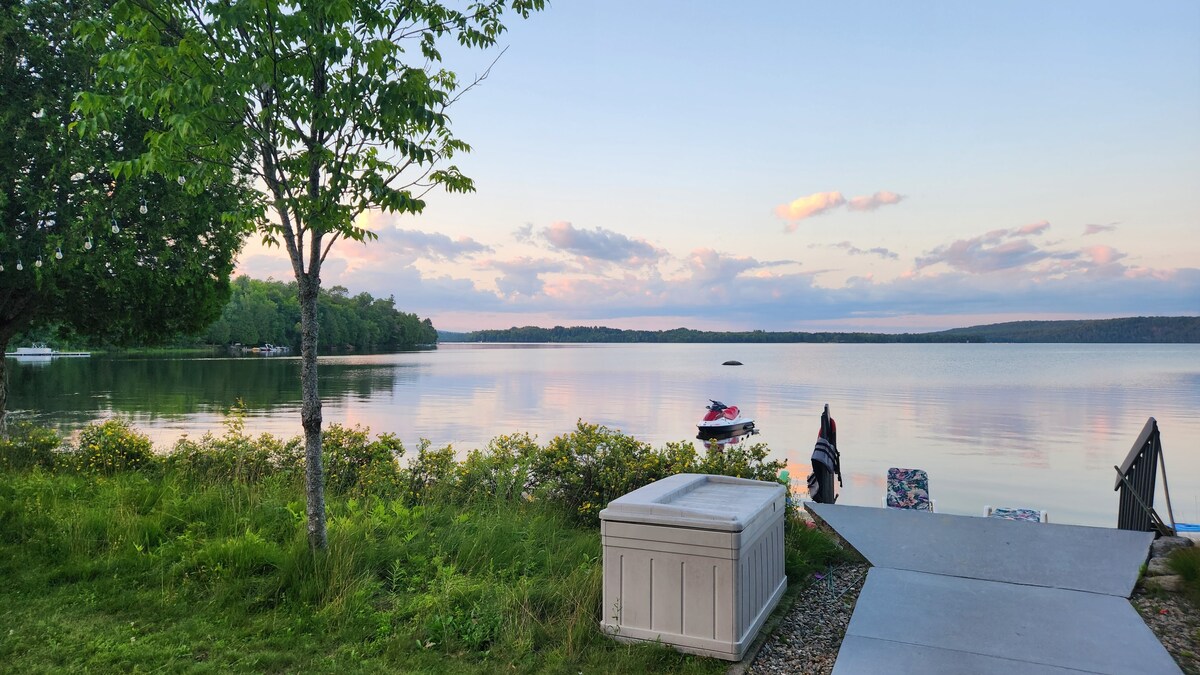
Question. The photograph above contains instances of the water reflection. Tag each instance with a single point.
(1015, 425)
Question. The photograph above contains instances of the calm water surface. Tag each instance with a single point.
(1011, 425)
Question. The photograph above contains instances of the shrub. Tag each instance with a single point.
(734, 460)
(432, 472)
(593, 465)
(501, 471)
(109, 447)
(25, 446)
(355, 464)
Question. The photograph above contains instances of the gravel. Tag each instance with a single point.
(807, 640)
(1176, 622)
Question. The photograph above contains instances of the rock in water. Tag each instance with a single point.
(732, 363)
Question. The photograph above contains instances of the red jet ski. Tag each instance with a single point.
(723, 421)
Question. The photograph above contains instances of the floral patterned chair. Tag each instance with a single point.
(1027, 515)
(908, 489)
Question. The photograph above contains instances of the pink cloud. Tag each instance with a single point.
(1097, 229)
(1103, 255)
(823, 202)
(881, 198)
(807, 207)
(1033, 228)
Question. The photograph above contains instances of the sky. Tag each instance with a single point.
(792, 165)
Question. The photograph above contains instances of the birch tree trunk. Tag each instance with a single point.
(310, 412)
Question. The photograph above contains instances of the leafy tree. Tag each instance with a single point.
(336, 107)
(118, 259)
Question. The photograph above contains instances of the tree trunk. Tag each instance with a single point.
(310, 411)
(3, 385)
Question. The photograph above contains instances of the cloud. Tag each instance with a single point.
(600, 244)
(1032, 228)
(979, 255)
(709, 267)
(824, 202)
(1097, 229)
(432, 245)
(807, 207)
(1103, 255)
(1005, 272)
(993, 251)
(523, 233)
(881, 198)
(523, 276)
(884, 253)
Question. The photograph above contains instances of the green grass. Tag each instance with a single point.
(1186, 563)
(161, 572)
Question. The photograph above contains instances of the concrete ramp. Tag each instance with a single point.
(957, 594)
(1093, 559)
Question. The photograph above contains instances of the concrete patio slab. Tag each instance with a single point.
(1092, 559)
(863, 656)
(1030, 628)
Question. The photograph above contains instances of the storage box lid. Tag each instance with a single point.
(697, 500)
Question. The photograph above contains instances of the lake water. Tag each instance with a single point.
(1008, 425)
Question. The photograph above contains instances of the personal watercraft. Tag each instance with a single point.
(723, 421)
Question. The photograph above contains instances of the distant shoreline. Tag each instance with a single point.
(1131, 330)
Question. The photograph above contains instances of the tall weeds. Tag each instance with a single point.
(434, 563)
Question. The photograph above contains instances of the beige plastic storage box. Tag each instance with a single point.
(693, 561)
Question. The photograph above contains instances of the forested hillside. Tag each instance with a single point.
(1133, 330)
(268, 311)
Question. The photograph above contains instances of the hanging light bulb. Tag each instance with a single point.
(58, 253)
(1, 267)
(181, 180)
(20, 266)
(87, 245)
(38, 262)
(142, 209)
(115, 227)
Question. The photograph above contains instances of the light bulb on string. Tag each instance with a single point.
(142, 209)
(87, 245)
(20, 266)
(181, 180)
(115, 227)
(58, 253)
(38, 262)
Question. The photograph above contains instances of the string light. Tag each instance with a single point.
(38, 262)
(58, 253)
(87, 245)
(142, 209)
(20, 266)
(115, 227)
(181, 180)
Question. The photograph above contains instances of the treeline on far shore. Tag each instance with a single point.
(262, 312)
(1164, 329)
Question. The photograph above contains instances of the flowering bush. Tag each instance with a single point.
(501, 471)
(593, 465)
(111, 446)
(233, 456)
(432, 471)
(25, 446)
(581, 471)
(356, 464)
